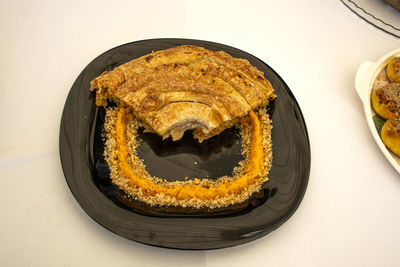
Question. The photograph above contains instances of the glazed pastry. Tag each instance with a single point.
(185, 87)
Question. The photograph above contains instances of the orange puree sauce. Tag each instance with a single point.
(187, 191)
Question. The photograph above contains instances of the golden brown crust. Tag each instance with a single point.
(229, 86)
(153, 93)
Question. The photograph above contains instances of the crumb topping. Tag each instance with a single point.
(129, 173)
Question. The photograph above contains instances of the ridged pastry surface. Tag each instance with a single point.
(186, 88)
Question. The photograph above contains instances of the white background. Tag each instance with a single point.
(350, 215)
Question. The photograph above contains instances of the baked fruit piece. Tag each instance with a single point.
(391, 135)
(393, 70)
(185, 87)
(386, 101)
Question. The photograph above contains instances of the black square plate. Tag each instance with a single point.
(87, 174)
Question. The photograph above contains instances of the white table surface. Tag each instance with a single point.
(350, 215)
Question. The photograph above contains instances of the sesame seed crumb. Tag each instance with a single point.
(161, 199)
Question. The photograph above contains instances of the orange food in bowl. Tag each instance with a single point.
(382, 104)
(393, 70)
(390, 135)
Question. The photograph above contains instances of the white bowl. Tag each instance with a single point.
(365, 77)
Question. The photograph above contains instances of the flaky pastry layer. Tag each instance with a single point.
(186, 87)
